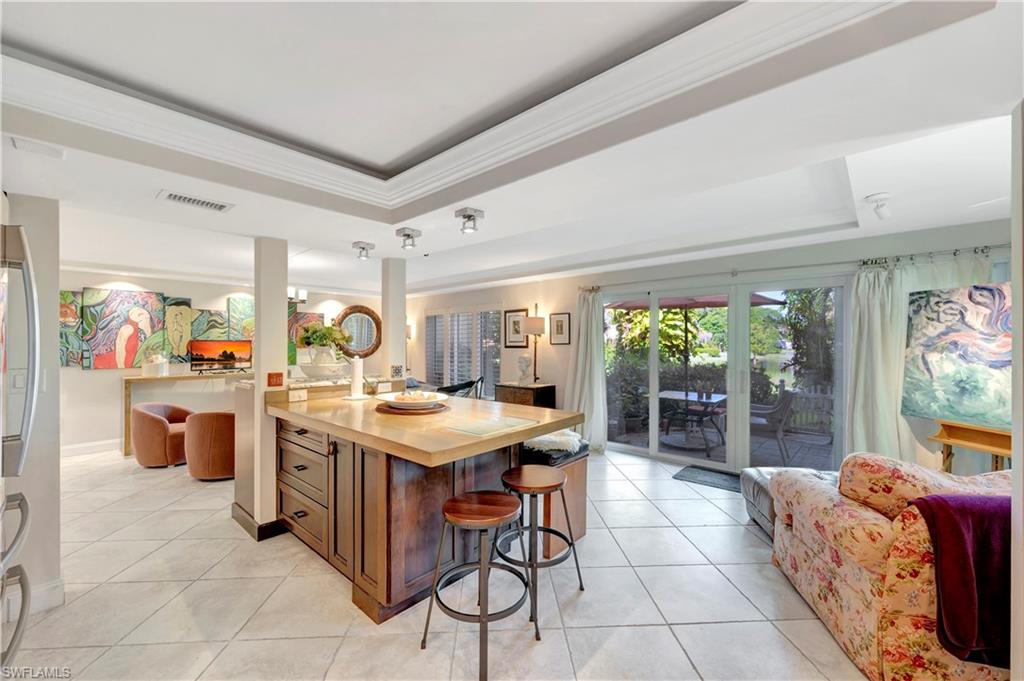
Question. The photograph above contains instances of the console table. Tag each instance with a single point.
(530, 394)
(128, 382)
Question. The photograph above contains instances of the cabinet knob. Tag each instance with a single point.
(299, 514)
(299, 466)
(333, 449)
(301, 431)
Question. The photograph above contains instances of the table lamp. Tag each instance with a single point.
(534, 326)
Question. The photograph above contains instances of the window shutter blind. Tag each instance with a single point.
(489, 349)
(460, 347)
(435, 349)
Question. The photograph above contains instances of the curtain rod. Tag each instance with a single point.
(896, 260)
(862, 262)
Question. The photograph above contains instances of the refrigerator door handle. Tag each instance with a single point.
(16, 500)
(17, 575)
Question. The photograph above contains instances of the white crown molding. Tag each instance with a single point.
(734, 40)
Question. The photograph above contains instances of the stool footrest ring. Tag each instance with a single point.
(457, 572)
(512, 532)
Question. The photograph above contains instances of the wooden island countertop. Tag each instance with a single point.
(428, 440)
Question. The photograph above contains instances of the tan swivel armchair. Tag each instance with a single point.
(158, 434)
(210, 445)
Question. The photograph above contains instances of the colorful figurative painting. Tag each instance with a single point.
(296, 321)
(120, 328)
(958, 355)
(241, 317)
(70, 342)
(178, 322)
(209, 325)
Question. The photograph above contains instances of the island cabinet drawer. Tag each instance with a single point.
(301, 435)
(304, 470)
(304, 517)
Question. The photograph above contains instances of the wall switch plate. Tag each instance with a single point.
(298, 395)
(275, 379)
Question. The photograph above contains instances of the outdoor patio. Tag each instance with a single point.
(805, 450)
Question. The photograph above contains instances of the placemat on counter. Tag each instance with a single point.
(481, 427)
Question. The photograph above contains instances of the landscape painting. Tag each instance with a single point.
(958, 356)
(70, 342)
(241, 317)
(178, 322)
(209, 325)
(120, 328)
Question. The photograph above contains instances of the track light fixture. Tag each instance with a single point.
(408, 235)
(881, 201)
(469, 217)
(363, 249)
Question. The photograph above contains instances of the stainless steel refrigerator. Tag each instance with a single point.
(19, 387)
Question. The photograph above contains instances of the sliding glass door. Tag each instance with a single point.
(796, 377)
(693, 376)
(627, 326)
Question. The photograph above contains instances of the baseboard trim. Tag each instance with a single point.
(257, 531)
(91, 447)
(44, 597)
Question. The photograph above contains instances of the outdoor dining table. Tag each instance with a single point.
(707, 401)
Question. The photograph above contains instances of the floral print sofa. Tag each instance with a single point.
(862, 558)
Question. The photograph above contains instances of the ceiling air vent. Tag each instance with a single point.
(195, 202)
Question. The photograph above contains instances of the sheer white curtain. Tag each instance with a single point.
(586, 372)
(879, 312)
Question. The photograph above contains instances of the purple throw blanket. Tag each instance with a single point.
(971, 540)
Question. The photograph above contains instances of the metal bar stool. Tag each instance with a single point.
(482, 512)
(534, 481)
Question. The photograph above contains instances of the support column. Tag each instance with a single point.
(1017, 279)
(392, 297)
(270, 355)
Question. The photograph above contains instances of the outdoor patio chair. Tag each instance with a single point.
(773, 420)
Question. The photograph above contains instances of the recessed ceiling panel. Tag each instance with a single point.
(378, 86)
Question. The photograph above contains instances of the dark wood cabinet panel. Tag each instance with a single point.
(536, 395)
(341, 506)
(370, 537)
(304, 517)
(303, 469)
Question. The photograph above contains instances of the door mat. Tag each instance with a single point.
(711, 478)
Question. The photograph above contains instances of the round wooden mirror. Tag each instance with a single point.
(363, 328)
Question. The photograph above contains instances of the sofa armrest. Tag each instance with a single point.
(910, 568)
(837, 527)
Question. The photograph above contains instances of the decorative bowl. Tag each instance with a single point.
(415, 400)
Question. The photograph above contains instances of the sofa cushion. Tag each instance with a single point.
(887, 485)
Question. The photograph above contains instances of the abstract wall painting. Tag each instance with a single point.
(241, 317)
(178, 322)
(209, 325)
(70, 342)
(958, 356)
(120, 328)
(296, 321)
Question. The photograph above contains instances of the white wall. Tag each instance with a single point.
(559, 295)
(91, 400)
(40, 481)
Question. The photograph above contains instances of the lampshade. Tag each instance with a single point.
(534, 326)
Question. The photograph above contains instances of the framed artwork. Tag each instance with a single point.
(241, 317)
(209, 325)
(515, 331)
(70, 341)
(957, 363)
(178, 322)
(561, 331)
(121, 328)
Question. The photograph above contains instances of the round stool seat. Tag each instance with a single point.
(481, 510)
(533, 479)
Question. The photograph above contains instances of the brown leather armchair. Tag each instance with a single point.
(210, 445)
(158, 434)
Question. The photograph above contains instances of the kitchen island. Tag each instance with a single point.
(364, 489)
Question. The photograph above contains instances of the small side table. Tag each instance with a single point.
(531, 394)
(979, 438)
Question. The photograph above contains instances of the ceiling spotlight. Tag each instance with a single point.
(408, 235)
(363, 249)
(469, 217)
(881, 201)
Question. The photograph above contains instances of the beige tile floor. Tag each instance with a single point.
(162, 584)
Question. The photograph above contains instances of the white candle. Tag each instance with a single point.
(357, 376)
